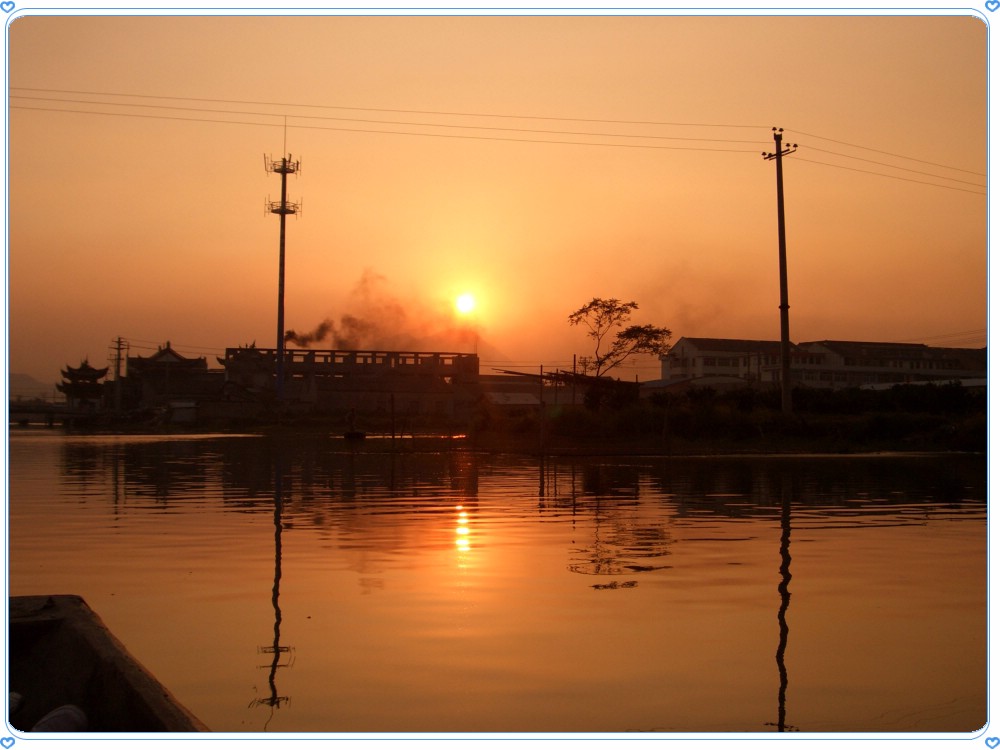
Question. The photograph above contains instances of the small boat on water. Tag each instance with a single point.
(62, 654)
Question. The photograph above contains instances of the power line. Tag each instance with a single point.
(392, 132)
(145, 106)
(893, 166)
(146, 344)
(888, 153)
(397, 111)
(530, 140)
(577, 134)
(450, 113)
(387, 122)
(891, 176)
(150, 117)
(944, 339)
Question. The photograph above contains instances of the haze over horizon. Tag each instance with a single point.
(533, 162)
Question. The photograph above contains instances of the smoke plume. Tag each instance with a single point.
(308, 339)
(375, 319)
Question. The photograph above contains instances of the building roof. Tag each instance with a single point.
(736, 346)
(869, 348)
(166, 357)
(974, 358)
(84, 372)
(860, 349)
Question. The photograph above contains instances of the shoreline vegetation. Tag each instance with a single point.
(904, 419)
(911, 419)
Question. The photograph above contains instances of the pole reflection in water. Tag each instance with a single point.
(786, 597)
(435, 617)
(275, 649)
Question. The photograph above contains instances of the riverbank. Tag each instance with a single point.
(912, 419)
(924, 418)
(843, 437)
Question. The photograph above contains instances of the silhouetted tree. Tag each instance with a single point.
(602, 317)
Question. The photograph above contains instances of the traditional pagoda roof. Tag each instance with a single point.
(247, 354)
(166, 357)
(83, 373)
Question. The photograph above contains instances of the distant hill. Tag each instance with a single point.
(25, 386)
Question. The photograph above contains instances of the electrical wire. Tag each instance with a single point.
(891, 176)
(396, 111)
(150, 117)
(947, 340)
(390, 122)
(493, 128)
(449, 113)
(395, 132)
(892, 166)
(887, 153)
(147, 345)
(531, 140)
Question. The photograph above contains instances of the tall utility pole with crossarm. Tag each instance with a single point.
(786, 347)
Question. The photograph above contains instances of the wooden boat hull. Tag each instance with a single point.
(61, 653)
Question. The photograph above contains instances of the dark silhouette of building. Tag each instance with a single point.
(817, 364)
(375, 386)
(167, 378)
(82, 387)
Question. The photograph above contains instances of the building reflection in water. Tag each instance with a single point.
(629, 536)
(624, 518)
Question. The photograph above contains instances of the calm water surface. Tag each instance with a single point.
(301, 586)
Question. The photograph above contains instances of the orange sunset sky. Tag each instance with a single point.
(534, 162)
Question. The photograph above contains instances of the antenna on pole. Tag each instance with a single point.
(786, 361)
(283, 166)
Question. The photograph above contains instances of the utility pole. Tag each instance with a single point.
(541, 409)
(574, 380)
(283, 166)
(119, 346)
(786, 353)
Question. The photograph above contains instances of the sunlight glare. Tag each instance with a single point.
(465, 303)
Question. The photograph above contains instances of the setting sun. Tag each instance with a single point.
(465, 303)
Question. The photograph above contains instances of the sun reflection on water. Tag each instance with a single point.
(462, 542)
